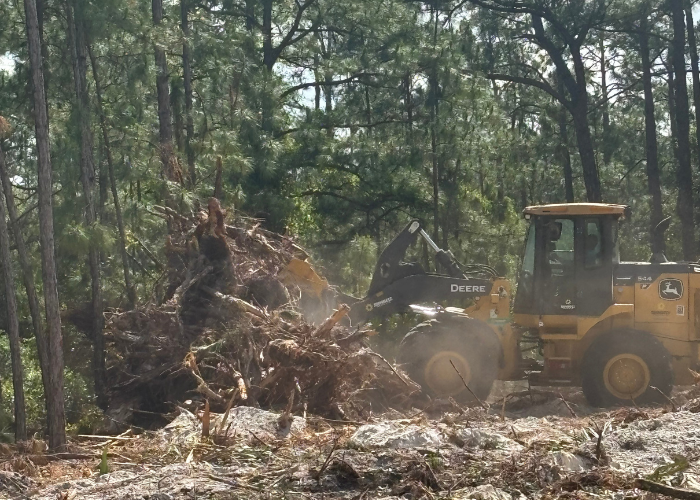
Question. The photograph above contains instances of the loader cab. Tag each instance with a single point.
(570, 253)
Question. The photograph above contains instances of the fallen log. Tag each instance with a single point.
(662, 489)
(239, 303)
(106, 438)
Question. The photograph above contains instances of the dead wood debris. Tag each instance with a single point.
(229, 329)
(669, 491)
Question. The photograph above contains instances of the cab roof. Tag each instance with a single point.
(577, 209)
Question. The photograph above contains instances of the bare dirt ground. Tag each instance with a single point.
(547, 444)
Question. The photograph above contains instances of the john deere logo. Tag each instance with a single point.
(671, 289)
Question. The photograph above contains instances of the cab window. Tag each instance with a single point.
(560, 246)
(593, 244)
(526, 281)
(528, 267)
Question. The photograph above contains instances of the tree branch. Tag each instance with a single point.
(289, 38)
(555, 54)
(520, 7)
(307, 85)
(532, 83)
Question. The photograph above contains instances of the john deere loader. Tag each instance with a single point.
(625, 332)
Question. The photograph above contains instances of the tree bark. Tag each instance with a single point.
(692, 45)
(317, 86)
(433, 101)
(587, 154)
(56, 419)
(607, 151)
(684, 176)
(408, 102)
(130, 290)
(187, 77)
(178, 118)
(164, 112)
(44, 49)
(27, 275)
(328, 91)
(250, 14)
(658, 244)
(672, 110)
(12, 324)
(76, 37)
(328, 88)
(579, 112)
(566, 157)
(269, 60)
(564, 154)
(268, 48)
(434, 153)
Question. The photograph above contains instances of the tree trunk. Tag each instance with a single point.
(434, 153)
(178, 119)
(684, 176)
(566, 157)
(409, 105)
(579, 112)
(587, 154)
(607, 150)
(76, 37)
(27, 275)
(268, 62)
(692, 44)
(564, 151)
(12, 325)
(672, 110)
(164, 113)
(250, 14)
(187, 77)
(56, 419)
(653, 181)
(268, 49)
(44, 50)
(328, 89)
(317, 86)
(130, 290)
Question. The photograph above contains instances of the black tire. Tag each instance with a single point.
(426, 351)
(626, 375)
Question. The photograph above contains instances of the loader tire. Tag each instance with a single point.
(622, 367)
(426, 351)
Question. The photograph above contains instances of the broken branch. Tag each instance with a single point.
(483, 405)
(328, 325)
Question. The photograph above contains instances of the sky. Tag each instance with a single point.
(7, 63)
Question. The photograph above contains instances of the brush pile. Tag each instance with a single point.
(230, 330)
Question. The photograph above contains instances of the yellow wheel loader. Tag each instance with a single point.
(625, 332)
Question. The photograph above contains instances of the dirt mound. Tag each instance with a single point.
(232, 332)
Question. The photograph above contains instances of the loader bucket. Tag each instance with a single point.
(301, 274)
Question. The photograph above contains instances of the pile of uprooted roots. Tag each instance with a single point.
(232, 332)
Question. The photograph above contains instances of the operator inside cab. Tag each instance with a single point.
(553, 229)
(593, 251)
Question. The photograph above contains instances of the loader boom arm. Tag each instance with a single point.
(396, 285)
(417, 289)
